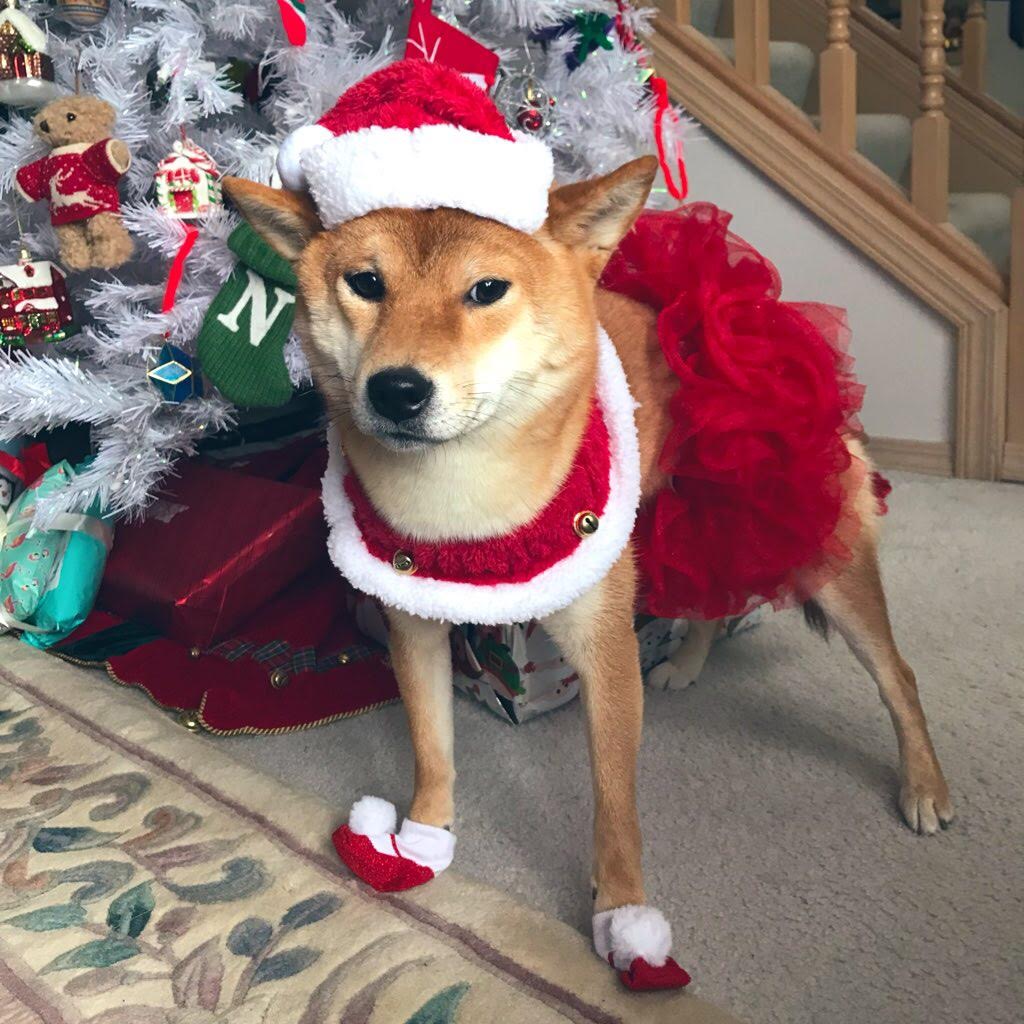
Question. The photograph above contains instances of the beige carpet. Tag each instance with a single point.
(149, 878)
(773, 841)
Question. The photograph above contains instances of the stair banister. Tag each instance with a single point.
(929, 165)
(910, 22)
(1015, 389)
(975, 49)
(751, 34)
(837, 81)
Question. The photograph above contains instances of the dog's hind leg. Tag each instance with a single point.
(596, 636)
(684, 665)
(424, 845)
(854, 602)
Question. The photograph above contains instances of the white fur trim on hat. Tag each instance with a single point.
(289, 156)
(630, 932)
(370, 815)
(429, 167)
(493, 605)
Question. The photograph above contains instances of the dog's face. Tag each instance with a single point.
(423, 327)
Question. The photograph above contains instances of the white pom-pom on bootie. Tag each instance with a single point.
(636, 941)
(386, 860)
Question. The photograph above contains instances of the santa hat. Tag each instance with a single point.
(417, 136)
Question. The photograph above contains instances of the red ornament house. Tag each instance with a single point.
(187, 181)
(34, 303)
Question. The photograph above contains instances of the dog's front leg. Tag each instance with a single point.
(421, 657)
(596, 636)
(424, 845)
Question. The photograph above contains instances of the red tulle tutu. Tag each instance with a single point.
(756, 454)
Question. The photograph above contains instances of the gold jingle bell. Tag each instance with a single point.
(585, 523)
(190, 720)
(404, 563)
(279, 679)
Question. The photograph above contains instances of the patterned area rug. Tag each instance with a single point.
(147, 878)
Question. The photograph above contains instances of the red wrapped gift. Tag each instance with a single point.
(212, 551)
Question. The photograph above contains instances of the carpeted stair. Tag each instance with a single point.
(884, 139)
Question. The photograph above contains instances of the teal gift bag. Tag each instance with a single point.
(49, 577)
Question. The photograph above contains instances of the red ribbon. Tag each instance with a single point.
(663, 107)
(178, 268)
(33, 462)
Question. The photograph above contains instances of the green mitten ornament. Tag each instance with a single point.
(241, 343)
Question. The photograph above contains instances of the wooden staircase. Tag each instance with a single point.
(914, 165)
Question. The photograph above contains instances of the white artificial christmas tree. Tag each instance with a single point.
(165, 65)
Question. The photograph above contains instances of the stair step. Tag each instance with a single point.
(704, 15)
(886, 140)
(791, 66)
(984, 217)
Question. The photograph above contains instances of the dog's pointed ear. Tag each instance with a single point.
(285, 220)
(595, 215)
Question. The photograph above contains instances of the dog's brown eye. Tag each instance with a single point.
(72, 117)
(367, 285)
(488, 291)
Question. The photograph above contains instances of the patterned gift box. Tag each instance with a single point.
(516, 670)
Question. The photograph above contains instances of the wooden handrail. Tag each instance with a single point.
(677, 10)
(752, 36)
(974, 70)
(837, 81)
(929, 166)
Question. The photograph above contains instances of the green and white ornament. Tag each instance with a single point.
(241, 343)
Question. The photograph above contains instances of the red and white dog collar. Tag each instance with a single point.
(540, 567)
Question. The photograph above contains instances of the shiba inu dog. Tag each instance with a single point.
(461, 360)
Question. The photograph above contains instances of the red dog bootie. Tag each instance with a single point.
(635, 941)
(387, 860)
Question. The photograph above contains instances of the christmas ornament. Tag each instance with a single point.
(83, 13)
(663, 109)
(26, 70)
(532, 115)
(436, 41)
(293, 18)
(187, 181)
(241, 343)
(175, 375)
(78, 178)
(593, 28)
(34, 303)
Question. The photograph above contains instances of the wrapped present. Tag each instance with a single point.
(211, 552)
(49, 577)
(517, 672)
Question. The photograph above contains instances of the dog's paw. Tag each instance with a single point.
(667, 676)
(926, 805)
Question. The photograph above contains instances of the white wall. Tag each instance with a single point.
(905, 352)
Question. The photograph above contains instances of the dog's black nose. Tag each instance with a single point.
(399, 394)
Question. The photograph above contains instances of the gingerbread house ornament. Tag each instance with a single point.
(26, 70)
(187, 181)
(34, 303)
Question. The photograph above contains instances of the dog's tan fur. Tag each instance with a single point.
(514, 382)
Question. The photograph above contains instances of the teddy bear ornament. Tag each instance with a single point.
(78, 178)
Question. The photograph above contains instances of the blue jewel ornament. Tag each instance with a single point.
(175, 375)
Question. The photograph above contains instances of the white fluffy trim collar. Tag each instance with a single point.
(549, 591)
